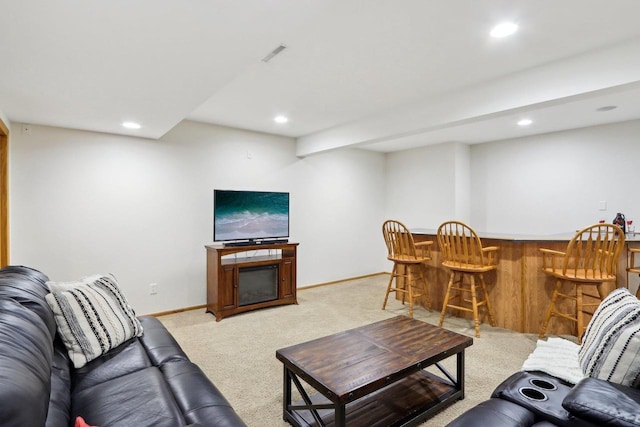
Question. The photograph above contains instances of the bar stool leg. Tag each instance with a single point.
(474, 304)
(458, 291)
(446, 299)
(579, 313)
(386, 296)
(550, 310)
(492, 320)
(406, 273)
(425, 286)
(409, 288)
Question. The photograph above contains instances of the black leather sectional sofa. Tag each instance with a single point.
(541, 400)
(146, 381)
(608, 394)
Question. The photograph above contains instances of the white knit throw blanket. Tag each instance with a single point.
(557, 357)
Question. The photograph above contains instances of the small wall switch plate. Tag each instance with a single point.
(153, 288)
(26, 129)
(602, 205)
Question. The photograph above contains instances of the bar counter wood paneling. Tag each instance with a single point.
(520, 292)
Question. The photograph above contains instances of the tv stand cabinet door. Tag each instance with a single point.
(288, 279)
(228, 292)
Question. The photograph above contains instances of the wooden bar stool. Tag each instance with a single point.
(463, 255)
(407, 257)
(590, 261)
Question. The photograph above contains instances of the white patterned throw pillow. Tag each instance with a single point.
(610, 347)
(92, 316)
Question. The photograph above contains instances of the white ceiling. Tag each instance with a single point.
(383, 75)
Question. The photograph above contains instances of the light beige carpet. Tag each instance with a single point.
(238, 353)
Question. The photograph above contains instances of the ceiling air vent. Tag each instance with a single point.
(273, 53)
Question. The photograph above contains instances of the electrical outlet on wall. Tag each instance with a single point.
(153, 288)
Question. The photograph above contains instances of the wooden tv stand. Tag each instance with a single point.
(223, 274)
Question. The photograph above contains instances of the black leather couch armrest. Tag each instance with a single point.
(604, 403)
(495, 413)
(161, 346)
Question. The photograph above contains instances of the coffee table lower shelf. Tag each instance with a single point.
(406, 402)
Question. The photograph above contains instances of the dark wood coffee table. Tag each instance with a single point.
(374, 375)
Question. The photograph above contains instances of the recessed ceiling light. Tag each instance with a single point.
(607, 108)
(281, 119)
(131, 125)
(525, 122)
(504, 29)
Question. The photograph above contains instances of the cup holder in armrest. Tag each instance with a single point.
(543, 384)
(540, 393)
(532, 394)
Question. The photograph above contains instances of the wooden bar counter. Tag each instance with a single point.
(520, 292)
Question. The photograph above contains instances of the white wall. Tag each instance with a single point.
(542, 184)
(427, 186)
(462, 184)
(5, 120)
(84, 202)
(553, 183)
(341, 211)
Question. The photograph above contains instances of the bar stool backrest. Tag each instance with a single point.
(593, 252)
(460, 246)
(399, 240)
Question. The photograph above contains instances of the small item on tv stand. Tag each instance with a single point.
(256, 242)
(273, 241)
(239, 243)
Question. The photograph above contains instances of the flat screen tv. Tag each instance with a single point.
(250, 216)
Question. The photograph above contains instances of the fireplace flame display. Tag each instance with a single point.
(257, 284)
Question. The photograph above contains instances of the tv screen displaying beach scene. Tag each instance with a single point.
(250, 215)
